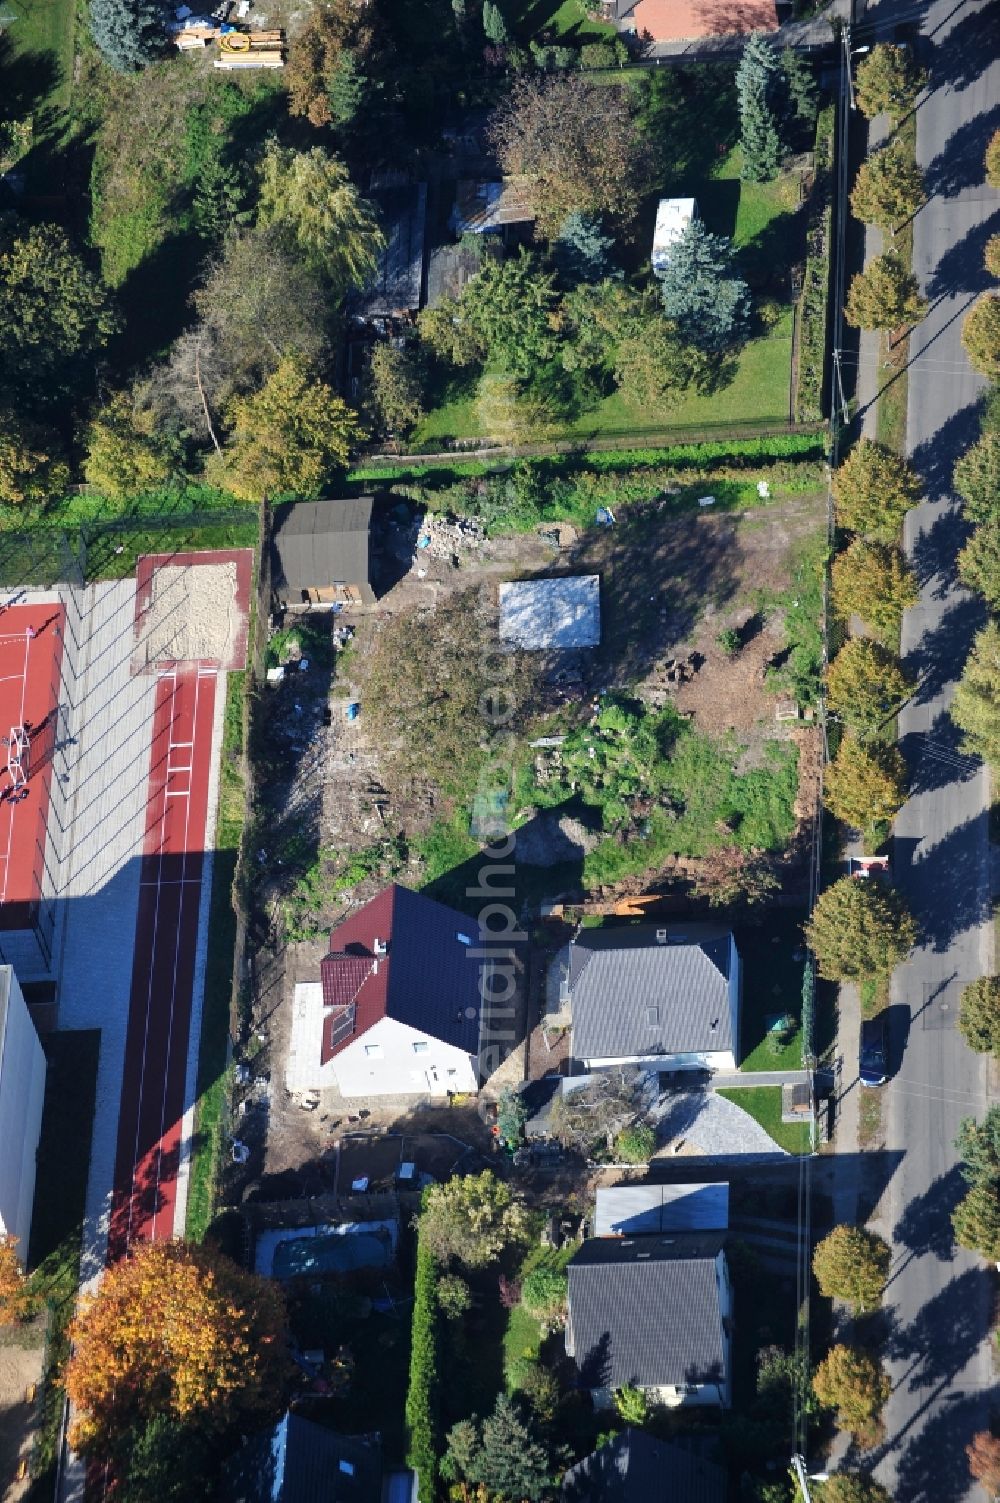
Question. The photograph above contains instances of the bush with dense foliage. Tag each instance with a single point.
(866, 685)
(874, 489)
(852, 1264)
(471, 1219)
(865, 785)
(854, 1383)
(860, 928)
(889, 188)
(128, 451)
(32, 471)
(885, 295)
(636, 1144)
(15, 1295)
(543, 1295)
(978, 1145)
(975, 708)
(578, 153)
(888, 81)
(979, 1015)
(423, 1394)
(874, 581)
(849, 1487)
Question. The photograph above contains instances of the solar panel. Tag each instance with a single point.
(342, 1022)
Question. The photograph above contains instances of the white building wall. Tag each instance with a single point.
(22, 1094)
(393, 1059)
(716, 1059)
(735, 996)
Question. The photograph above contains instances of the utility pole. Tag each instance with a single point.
(799, 1468)
(839, 374)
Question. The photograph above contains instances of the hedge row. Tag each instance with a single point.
(423, 1394)
(816, 281)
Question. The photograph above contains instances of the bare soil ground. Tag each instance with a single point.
(21, 1363)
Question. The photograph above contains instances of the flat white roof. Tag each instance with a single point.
(551, 613)
(673, 215)
(631, 1210)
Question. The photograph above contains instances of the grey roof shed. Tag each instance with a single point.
(318, 547)
(643, 991)
(647, 1311)
(635, 1468)
(645, 1210)
(302, 1462)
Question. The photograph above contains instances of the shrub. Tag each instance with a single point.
(454, 1296)
(598, 55)
(543, 1295)
(730, 641)
(636, 1145)
(423, 1399)
(816, 280)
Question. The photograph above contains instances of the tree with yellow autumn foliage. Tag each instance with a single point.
(175, 1331)
(15, 1298)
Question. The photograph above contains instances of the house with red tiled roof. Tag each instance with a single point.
(691, 20)
(397, 1009)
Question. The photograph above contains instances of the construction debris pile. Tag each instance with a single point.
(238, 50)
(443, 537)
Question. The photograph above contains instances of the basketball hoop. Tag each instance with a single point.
(18, 745)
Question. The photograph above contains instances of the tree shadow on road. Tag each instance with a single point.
(938, 657)
(934, 459)
(963, 54)
(954, 865)
(936, 759)
(936, 549)
(925, 1225)
(933, 1467)
(959, 164)
(961, 267)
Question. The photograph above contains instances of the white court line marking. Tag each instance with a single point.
(177, 953)
(149, 998)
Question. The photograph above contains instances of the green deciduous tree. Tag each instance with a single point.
(289, 438)
(471, 1219)
(884, 296)
(577, 154)
(757, 79)
(888, 81)
(127, 33)
(981, 335)
(979, 562)
(991, 256)
(703, 296)
(991, 161)
(612, 329)
(977, 478)
(975, 708)
(396, 383)
(976, 1221)
(507, 413)
(865, 784)
(860, 928)
(873, 581)
(849, 1487)
(979, 1015)
(852, 1264)
(54, 318)
(888, 189)
(874, 489)
(31, 468)
(866, 684)
(127, 449)
(309, 197)
(854, 1383)
(505, 317)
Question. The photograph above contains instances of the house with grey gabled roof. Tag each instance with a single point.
(302, 1462)
(666, 996)
(632, 1467)
(652, 1313)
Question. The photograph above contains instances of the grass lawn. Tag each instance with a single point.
(772, 983)
(42, 32)
(758, 393)
(763, 1103)
(523, 1336)
(57, 1220)
(564, 20)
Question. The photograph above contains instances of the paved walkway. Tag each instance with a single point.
(112, 722)
(758, 1078)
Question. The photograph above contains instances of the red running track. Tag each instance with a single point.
(166, 936)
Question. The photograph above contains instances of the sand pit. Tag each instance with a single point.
(192, 616)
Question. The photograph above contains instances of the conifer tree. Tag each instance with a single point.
(757, 80)
(127, 33)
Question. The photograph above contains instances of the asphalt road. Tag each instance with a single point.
(939, 1304)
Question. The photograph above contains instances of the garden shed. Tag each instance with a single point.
(321, 552)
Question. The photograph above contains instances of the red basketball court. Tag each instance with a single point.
(31, 647)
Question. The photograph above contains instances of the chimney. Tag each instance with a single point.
(380, 947)
(661, 936)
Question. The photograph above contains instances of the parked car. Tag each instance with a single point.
(873, 1060)
(869, 866)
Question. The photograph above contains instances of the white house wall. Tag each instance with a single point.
(22, 1094)
(393, 1059)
